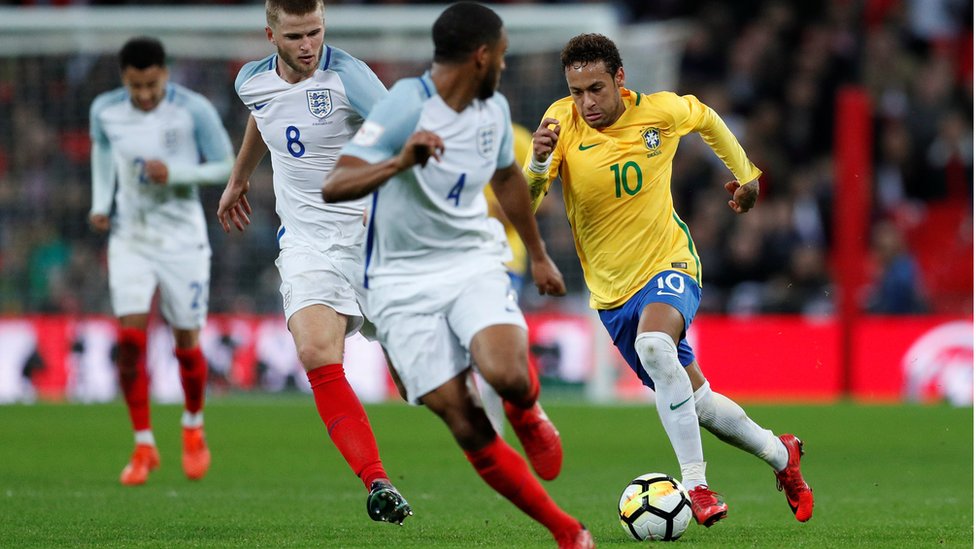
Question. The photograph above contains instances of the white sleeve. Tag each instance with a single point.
(208, 173)
(213, 144)
(103, 178)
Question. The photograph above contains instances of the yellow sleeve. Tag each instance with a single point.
(539, 183)
(691, 115)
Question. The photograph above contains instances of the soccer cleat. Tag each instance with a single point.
(539, 439)
(145, 458)
(196, 455)
(707, 506)
(790, 481)
(580, 539)
(385, 504)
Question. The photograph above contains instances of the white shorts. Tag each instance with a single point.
(427, 329)
(136, 269)
(333, 278)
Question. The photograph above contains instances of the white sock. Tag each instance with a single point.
(191, 420)
(675, 403)
(728, 421)
(145, 437)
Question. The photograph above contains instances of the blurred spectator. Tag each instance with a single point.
(897, 286)
(771, 68)
(804, 289)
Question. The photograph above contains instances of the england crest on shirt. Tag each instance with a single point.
(319, 102)
(486, 140)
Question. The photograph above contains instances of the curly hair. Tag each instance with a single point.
(591, 48)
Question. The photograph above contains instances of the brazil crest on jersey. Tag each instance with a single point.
(305, 126)
(617, 188)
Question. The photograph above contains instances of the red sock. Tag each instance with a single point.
(530, 397)
(505, 471)
(346, 421)
(133, 378)
(193, 376)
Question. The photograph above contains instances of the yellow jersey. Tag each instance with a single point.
(518, 264)
(616, 185)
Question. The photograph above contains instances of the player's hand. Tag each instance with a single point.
(419, 148)
(547, 277)
(744, 197)
(544, 139)
(99, 223)
(157, 172)
(234, 206)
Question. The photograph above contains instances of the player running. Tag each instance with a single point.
(147, 141)
(306, 102)
(435, 273)
(613, 149)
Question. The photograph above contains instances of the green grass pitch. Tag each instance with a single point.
(883, 476)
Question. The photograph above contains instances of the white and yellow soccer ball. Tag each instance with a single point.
(655, 507)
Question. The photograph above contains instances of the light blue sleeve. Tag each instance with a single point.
(363, 88)
(212, 142)
(211, 137)
(506, 154)
(251, 69)
(390, 123)
(102, 164)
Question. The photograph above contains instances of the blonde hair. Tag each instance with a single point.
(274, 8)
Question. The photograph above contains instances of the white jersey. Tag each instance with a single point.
(305, 125)
(184, 132)
(425, 218)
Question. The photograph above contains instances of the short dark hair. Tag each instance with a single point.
(591, 48)
(274, 8)
(142, 52)
(463, 28)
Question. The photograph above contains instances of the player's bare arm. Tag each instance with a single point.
(744, 197)
(234, 207)
(544, 139)
(513, 197)
(355, 178)
(99, 223)
(157, 172)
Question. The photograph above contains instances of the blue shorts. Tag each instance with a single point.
(672, 287)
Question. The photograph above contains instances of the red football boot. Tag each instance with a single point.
(790, 481)
(580, 539)
(707, 506)
(145, 458)
(196, 455)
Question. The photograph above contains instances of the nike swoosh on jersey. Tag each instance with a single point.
(583, 148)
(258, 107)
(678, 405)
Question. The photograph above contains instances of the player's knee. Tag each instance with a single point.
(508, 382)
(315, 353)
(659, 356)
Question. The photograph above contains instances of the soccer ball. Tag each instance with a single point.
(656, 507)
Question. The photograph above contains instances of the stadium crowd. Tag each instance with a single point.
(770, 68)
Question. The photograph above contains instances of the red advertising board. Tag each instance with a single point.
(761, 358)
